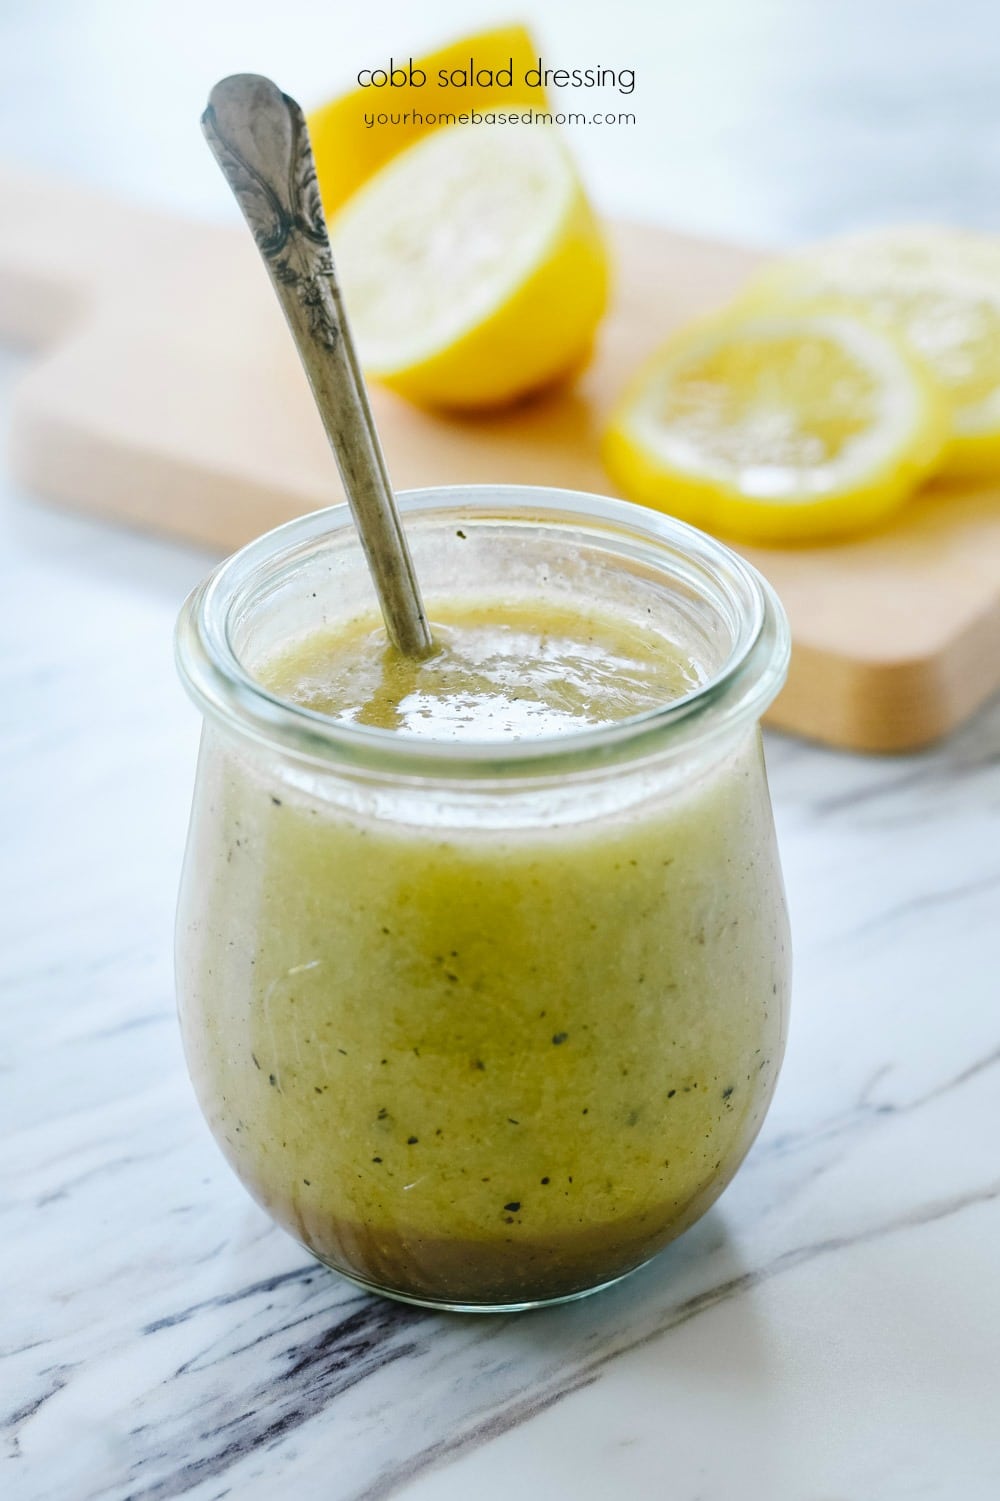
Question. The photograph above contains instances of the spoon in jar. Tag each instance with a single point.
(258, 136)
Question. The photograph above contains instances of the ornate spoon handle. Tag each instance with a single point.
(258, 136)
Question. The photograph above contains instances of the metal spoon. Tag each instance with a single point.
(258, 136)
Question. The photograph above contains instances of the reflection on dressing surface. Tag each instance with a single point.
(497, 674)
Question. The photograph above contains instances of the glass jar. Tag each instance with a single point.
(485, 1025)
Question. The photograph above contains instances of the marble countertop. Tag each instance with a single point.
(829, 1332)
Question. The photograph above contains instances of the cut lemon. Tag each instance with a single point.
(349, 144)
(939, 290)
(473, 266)
(781, 427)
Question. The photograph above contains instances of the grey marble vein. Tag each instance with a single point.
(831, 1331)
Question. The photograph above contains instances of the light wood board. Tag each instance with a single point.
(165, 393)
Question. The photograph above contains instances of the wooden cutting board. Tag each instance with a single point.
(166, 394)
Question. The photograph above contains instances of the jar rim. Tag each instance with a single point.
(738, 692)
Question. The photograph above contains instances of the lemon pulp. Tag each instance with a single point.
(939, 291)
(473, 266)
(778, 426)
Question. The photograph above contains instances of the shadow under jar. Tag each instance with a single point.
(485, 1025)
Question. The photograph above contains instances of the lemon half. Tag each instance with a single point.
(778, 427)
(473, 266)
(349, 144)
(939, 290)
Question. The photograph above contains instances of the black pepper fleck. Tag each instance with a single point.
(411, 1141)
(256, 1060)
(513, 1206)
(277, 803)
(272, 1079)
(560, 1037)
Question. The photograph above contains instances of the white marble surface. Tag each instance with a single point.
(831, 1332)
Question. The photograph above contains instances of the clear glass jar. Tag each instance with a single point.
(484, 1025)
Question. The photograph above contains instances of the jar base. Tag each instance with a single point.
(448, 1305)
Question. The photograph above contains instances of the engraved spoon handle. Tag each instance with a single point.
(258, 136)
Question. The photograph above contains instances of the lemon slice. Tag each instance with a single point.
(779, 427)
(938, 289)
(473, 266)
